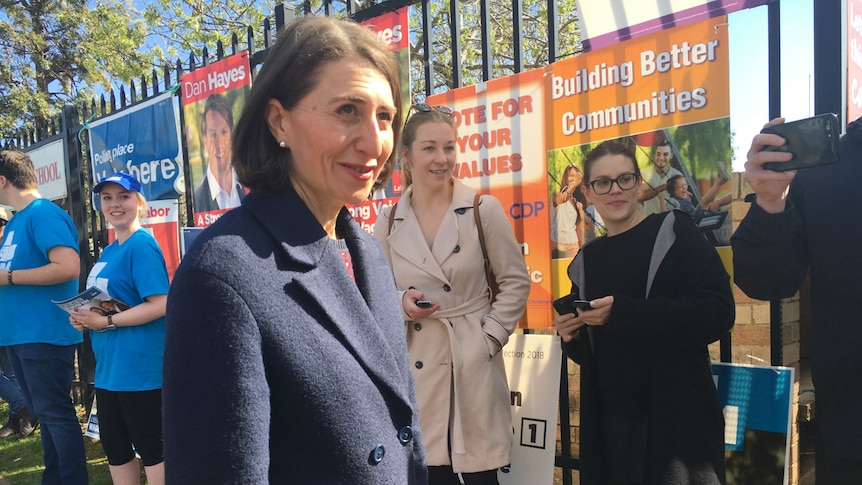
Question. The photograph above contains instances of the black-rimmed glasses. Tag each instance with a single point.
(626, 181)
(427, 108)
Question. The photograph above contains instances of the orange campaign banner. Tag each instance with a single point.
(665, 96)
(671, 78)
(501, 152)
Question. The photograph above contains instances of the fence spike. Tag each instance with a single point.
(266, 33)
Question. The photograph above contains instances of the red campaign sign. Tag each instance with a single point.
(161, 220)
(390, 28)
(397, 182)
(366, 213)
(204, 219)
(166, 235)
(229, 73)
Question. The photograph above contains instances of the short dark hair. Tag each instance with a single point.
(610, 147)
(408, 135)
(291, 70)
(671, 183)
(219, 104)
(18, 169)
(664, 143)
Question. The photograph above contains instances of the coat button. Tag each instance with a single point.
(419, 364)
(405, 434)
(457, 249)
(447, 288)
(417, 326)
(377, 454)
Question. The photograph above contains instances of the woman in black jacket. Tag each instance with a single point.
(650, 413)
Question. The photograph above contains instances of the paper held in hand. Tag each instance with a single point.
(92, 299)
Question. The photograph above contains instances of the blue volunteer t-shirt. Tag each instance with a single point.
(130, 358)
(28, 316)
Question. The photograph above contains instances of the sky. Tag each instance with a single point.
(749, 103)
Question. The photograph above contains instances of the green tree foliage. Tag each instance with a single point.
(62, 52)
(178, 28)
(704, 145)
(56, 52)
(187, 25)
(534, 32)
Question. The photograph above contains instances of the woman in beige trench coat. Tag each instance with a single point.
(433, 247)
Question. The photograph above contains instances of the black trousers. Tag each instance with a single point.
(836, 471)
(443, 475)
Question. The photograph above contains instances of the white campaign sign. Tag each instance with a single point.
(50, 164)
(606, 23)
(533, 369)
(93, 422)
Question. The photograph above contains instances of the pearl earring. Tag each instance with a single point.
(282, 144)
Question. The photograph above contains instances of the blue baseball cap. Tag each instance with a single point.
(124, 180)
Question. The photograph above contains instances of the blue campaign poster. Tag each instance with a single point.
(756, 402)
(143, 141)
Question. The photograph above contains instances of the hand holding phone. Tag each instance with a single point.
(423, 303)
(812, 141)
(570, 304)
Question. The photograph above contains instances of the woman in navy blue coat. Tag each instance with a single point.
(285, 358)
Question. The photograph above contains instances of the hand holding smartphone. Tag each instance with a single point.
(570, 304)
(423, 303)
(812, 141)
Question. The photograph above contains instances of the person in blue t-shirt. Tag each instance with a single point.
(21, 422)
(129, 344)
(39, 262)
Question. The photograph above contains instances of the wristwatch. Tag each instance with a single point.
(111, 325)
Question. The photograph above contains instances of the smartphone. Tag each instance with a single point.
(570, 304)
(812, 141)
(423, 303)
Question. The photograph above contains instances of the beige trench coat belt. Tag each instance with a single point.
(470, 306)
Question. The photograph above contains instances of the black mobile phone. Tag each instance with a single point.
(812, 141)
(570, 304)
(423, 303)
